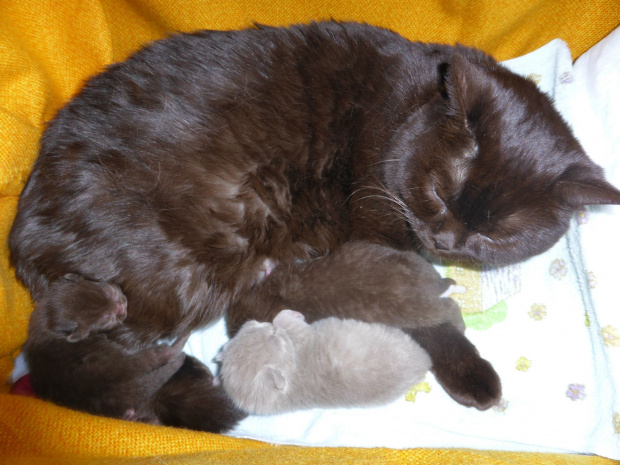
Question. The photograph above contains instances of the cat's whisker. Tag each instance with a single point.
(398, 207)
(386, 161)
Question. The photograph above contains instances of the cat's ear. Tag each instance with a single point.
(465, 85)
(276, 375)
(576, 194)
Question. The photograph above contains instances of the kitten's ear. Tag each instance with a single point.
(286, 316)
(596, 192)
(465, 84)
(277, 376)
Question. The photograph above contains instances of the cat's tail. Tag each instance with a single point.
(466, 377)
(191, 400)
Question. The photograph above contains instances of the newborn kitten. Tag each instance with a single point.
(73, 363)
(373, 282)
(288, 365)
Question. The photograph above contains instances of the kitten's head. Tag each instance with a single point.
(79, 307)
(257, 366)
(489, 170)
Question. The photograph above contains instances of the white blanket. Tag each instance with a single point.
(550, 326)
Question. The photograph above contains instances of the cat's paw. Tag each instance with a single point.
(453, 289)
(130, 415)
(472, 382)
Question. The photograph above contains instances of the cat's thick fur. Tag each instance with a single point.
(290, 365)
(178, 173)
(191, 399)
(73, 363)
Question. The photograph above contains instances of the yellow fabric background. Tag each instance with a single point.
(48, 48)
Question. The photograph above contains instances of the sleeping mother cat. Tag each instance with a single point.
(202, 169)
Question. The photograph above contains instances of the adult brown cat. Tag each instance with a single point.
(180, 172)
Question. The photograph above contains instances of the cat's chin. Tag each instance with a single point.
(476, 250)
(488, 257)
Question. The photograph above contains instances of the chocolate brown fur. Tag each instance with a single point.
(190, 399)
(367, 282)
(76, 307)
(177, 173)
(73, 363)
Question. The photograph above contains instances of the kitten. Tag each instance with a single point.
(289, 365)
(74, 364)
(373, 282)
(178, 172)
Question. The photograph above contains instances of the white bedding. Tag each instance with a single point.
(550, 326)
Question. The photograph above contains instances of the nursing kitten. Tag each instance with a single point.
(177, 173)
(73, 363)
(290, 365)
(371, 281)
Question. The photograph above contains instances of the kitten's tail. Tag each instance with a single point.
(191, 400)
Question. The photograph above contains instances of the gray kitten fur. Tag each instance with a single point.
(289, 365)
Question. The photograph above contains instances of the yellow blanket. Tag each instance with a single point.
(48, 48)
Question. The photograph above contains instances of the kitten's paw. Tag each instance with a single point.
(472, 382)
(131, 415)
(453, 289)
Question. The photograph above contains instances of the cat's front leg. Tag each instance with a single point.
(466, 377)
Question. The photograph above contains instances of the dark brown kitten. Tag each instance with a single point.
(374, 283)
(179, 172)
(73, 363)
